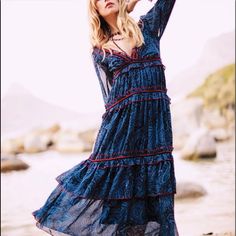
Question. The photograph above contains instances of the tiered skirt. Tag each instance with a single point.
(126, 187)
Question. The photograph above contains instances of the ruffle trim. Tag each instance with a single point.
(149, 60)
(123, 179)
(149, 89)
(62, 215)
(135, 97)
(101, 157)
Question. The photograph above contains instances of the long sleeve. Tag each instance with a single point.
(157, 17)
(104, 77)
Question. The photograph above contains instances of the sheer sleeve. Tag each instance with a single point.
(104, 77)
(157, 17)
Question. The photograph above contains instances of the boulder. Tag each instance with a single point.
(213, 119)
(219, 234)
(220, 134)
(53, 129)
(49, 130)
(12, 146)
(186, 190)
(89, 136)
(35, 142)
(69, 141)
(10, 163)
(186, 117)
(199, 145)
(230, 116)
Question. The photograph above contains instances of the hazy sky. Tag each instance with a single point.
(45, 45)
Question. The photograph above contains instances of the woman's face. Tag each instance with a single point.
(107, 7)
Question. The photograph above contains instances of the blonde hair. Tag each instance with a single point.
(99, 29)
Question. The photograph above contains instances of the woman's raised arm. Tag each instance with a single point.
(131, 4)
(157, 17)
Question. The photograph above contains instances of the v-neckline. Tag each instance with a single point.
(122, 54)
(134, 49)
(123, 51)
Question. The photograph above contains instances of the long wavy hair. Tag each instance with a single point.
(100, 31)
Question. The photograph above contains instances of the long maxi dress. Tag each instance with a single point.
(127, 185)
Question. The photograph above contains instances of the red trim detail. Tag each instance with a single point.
(138, 89)
(124, 157)
(133, 151)
(119, 54)
(130, 94)
(140, 100)
(143, 164)
(118, 71)
(130, 59)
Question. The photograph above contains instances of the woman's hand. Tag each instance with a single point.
(131, 4)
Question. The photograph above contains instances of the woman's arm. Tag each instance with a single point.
(157, 17)
(131, 4)
(105, 78)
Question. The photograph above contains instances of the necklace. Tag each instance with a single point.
(116, 33)
(119, 47)
(117, 39)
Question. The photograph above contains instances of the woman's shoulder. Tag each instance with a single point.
(98, 55)
(95, 52)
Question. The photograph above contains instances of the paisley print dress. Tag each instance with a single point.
(126, 187)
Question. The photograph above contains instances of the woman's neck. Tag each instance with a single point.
(112, 22)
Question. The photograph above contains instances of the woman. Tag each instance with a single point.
(127, 185)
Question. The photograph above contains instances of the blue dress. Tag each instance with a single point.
(126, 187)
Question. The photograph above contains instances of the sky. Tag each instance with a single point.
(46, 49)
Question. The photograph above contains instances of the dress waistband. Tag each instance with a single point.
(133, 91)
(137, 64)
